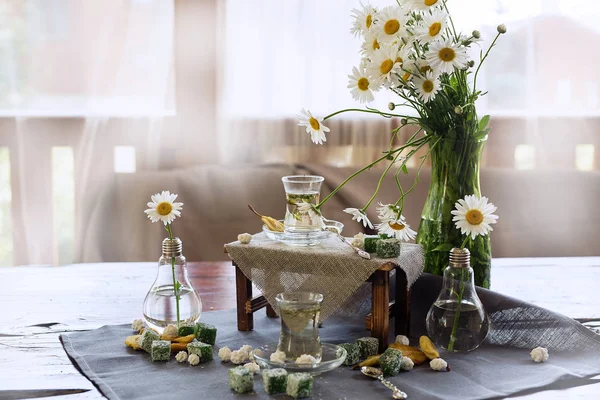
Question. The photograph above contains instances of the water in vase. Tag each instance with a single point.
(296, 221)
(160, 307)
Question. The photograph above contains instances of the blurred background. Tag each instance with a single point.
(101, 95)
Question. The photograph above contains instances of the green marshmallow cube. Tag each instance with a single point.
(391, 361)
(202, 350)
(299, 385)
(186, 330)
(206, 333)
(275, 380)
(352, 353)
(371, 243)
(368, 346)
(147, 338)
(160, 350)
(240, 380)
(388, 248)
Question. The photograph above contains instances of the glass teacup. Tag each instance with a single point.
(302, 189)
(299, 312)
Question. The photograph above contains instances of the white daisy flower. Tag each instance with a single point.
(363, 19)
(396, 227)
(313, 125)
(163, 207)
(391, 24)
(432, 26)
(423, 66)
(310, 210)
(423, 4)
(370, 45)
(473, 216)
(389, 211)
(360, 85)
(427, 86)
(443, 56)
(359, 216)
(383, 66)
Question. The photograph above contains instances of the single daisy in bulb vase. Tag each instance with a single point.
(172, 299)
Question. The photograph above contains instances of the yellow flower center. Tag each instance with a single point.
(425, 68)
(435, 28)
(375, 44)
(447, 54)
(428, 86)
(369, 21)
(164, 208)
(391, 27)
(406, 76)
(474, 217)
(314, 123)
(386, 66)
(397, 226)
(398, 60)
(363, 84)
(430, 2)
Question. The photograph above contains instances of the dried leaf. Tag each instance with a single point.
(428, 348)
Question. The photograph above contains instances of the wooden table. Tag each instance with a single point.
(39, 303)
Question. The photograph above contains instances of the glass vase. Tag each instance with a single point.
(299, 313)
(167, 303)
(454, 174)
(457, 320)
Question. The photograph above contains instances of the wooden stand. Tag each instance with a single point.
(377, 321)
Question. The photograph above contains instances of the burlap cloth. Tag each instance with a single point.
(331, 268)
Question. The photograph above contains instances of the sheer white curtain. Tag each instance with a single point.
(84, 91)
(543, 80)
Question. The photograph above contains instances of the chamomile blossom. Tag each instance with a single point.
(388, 212)
(432, 26)
(423, 4)
(427, 86)
(473, 215)
(359, 216)
(309, 210)
(383, 66)
(363, 19)
(396, 227)
(360, 85)
(370, 45)
(444, 56)
(313, 125)
(390, 25)
(163, 207)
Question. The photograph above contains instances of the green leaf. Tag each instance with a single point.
(177, 287)
(483, 122)
(481, 134)
(444, 247)
(405, 169)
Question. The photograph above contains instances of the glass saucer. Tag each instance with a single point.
(308, 239)
(332, 357)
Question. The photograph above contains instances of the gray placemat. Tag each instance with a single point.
(490, 372)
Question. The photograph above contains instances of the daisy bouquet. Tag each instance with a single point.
(413, 49)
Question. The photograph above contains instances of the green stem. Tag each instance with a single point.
(457, 312)
(387, 169)
(175, 289)
(464, 242)
(481, 63)
(366, 111)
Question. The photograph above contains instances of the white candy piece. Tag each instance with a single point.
(278, 357)
(407, 364)
(170, 330)
(438, 364)
(402, 340)
(181, 356)
(239, 357)
(225, 354)
(247, 348)
(540, 354)
(358, 241)
(244, 238)
(137, 325)
(306, 359)
(194, 359)
(252, 367)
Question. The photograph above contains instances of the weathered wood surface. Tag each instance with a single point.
(39, 303)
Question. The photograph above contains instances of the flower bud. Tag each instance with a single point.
(391, 106)
(458, 110)
(476, 34)
(501, 28)
(471, 64)
(404, 121)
